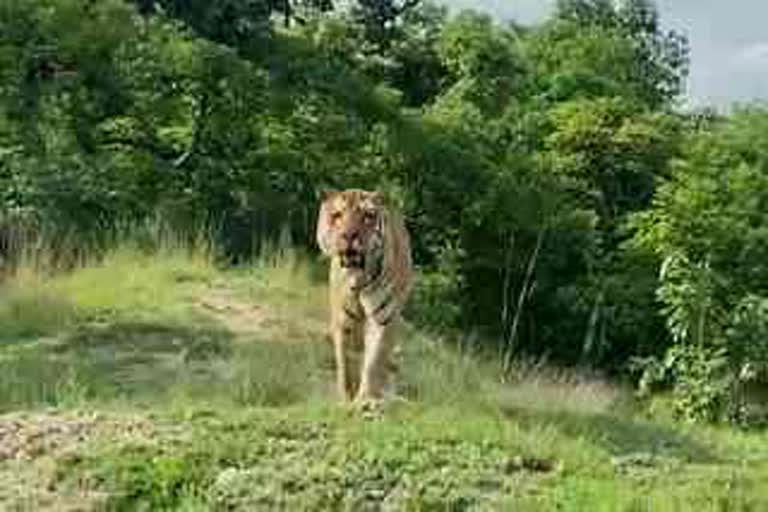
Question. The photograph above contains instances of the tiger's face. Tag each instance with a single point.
(349, 226)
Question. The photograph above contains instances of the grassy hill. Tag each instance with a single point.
(155, 381)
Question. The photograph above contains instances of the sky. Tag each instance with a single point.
(729, 42)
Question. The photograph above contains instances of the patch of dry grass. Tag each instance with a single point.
(541, 387)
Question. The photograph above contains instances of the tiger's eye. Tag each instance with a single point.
(370, 215)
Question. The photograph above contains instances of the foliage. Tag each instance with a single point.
(644, 62)
(708, 224)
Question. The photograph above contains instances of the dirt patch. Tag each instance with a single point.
(30, 436)
(31, 444)
(239, 317)
(292, 322)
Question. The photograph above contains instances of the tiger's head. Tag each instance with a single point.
(349, 226)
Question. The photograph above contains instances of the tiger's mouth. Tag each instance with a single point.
(352, 259)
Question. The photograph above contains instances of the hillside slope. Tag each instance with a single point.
(158, 382)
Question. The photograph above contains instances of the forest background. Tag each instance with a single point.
(562, 204)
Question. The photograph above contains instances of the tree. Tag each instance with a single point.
(604, 48)
(242, 23)
(379, 17)
(409, 61)
(710, 227)
(484, 62)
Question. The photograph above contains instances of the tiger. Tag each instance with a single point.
(370, 280)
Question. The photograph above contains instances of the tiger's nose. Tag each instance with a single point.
(351, 239)
(349, 236)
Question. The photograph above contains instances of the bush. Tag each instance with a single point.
(710, 228)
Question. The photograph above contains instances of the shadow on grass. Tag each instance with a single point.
(147, 341)
(25, 316)
(107, 361)
(619, 436)
(149, 363)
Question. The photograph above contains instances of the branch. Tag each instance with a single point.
(408, 4)
(520, 303)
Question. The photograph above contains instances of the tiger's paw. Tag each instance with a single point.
(369, 407)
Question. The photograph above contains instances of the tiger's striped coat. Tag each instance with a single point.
(370, 280)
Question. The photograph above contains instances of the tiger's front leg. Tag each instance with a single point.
(374, 371)
(347, 332)
(346, 345)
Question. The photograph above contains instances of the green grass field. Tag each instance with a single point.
(155, 381)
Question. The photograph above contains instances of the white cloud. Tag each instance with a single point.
(753, 53)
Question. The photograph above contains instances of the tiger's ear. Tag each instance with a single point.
(326, 194)
(377, 197)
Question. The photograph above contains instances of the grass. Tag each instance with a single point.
(153, 380)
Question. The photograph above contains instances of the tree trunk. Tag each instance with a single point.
(512, 339)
